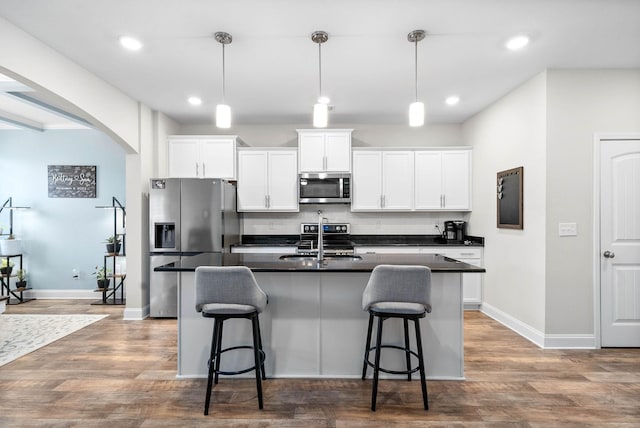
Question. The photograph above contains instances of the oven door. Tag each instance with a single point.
(324, 188)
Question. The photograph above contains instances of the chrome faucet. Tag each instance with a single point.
(320, 237)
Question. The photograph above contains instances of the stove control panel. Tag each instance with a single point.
(328, 228)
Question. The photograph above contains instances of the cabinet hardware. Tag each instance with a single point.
(609, 254)
(196, 169)
(204, 174)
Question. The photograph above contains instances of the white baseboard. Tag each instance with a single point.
(136, 314)
(63, 294)
(545, 341)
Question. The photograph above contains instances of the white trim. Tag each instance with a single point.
(136, 314)
(544, 341)
(524, 330)
(62, 294)
(598, 139)
(321, 376)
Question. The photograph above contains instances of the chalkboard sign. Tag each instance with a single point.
(509, 198)
(72, 181)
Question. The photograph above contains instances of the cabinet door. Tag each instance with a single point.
(183, 158)
(311, 152)
(428, 180)
(218, 158)
(252, 181)
(456, 174)
(366, 181)
(337, 152)
(283, 181)
(397, 180)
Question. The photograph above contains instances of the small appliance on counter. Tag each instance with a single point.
(336, 238)
(454, 231)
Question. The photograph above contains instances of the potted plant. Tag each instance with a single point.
(101, 277)
(22, 278)
(113, 244)
(6, 266)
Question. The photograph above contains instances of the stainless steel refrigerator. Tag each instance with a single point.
(187, 216)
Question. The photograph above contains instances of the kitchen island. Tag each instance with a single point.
(314, 325)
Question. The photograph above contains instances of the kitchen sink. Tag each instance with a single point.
(306, 257)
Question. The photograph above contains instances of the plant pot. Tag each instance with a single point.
(6, 271)
(21, 284)
(113, 248)
(103, 283)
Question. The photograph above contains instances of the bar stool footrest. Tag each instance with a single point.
(226, 373)
(396, 372)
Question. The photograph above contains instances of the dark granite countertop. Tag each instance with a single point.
(364, 240)
(259, 262)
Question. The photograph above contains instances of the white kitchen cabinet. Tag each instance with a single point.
(267, 180)
(382, 181)
(443, 180)
(324, 151)
(471, 282)
(203, 156)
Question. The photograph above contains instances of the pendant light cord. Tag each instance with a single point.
(224, 92)
(416, 67)
(320, 68)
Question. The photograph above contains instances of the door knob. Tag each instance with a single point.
(609, 254)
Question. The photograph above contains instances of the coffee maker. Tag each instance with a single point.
(454, 230)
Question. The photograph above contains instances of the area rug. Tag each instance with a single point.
(22, 334)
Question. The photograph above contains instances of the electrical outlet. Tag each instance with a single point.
(567, 229)
(75, 274)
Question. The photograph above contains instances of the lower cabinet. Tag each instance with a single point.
(471, 282)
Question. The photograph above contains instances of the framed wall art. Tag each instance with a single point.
(71, 181)
(509, 198)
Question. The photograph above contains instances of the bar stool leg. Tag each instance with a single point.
(212, 354)
(423, 380)
(376, 368)
(256, 356)
(406, 348)
(218, 349)
(367, 347)
(264, 376)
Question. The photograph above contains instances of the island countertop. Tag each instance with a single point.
(261, 262)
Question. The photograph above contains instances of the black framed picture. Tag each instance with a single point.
(509, 198)
(71, 181)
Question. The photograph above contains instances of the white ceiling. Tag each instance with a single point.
(368, 64)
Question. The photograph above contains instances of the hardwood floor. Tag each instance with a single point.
(117, 373)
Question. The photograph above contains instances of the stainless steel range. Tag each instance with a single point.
(336, 238)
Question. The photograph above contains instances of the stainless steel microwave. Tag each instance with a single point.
(325, 188)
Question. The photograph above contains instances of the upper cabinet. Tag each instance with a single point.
(382, 180)
(411, 180)
(443, 180)
(267, 180)
(203, 156)
(324, 151)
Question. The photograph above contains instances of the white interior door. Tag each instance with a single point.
(620, 243)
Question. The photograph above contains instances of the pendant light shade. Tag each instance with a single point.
(223, 116)
(320, 108)
(320, 115)
(223, 111)
(416, 113)
(416, 108)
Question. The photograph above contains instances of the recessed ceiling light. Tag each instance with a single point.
(516, 43)
(130, 43)
(195, 101)
(452, 100)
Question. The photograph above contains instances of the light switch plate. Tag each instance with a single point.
(567, 229)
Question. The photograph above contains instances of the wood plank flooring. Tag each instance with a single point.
(118, 373)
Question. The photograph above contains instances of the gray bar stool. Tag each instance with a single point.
(229, 292)
(402, 292)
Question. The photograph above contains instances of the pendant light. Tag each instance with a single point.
(416, 108)
(321, 107)
(223, 111)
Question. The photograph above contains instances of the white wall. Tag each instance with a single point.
(510, 134)
(60, 234)
(579, 104)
